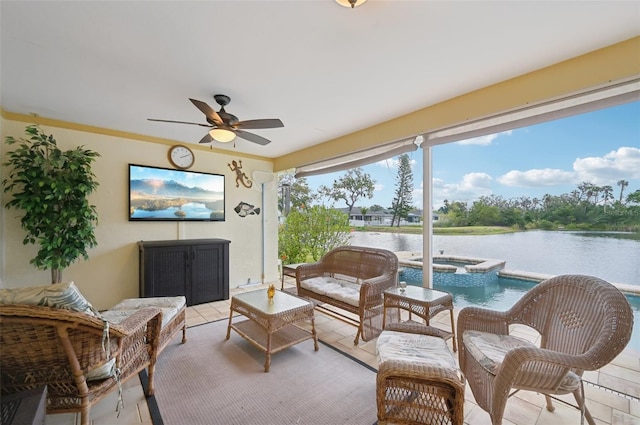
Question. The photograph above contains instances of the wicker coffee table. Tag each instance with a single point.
(272, 326)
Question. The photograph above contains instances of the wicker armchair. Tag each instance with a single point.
(65, 349)
(584, 323)
(352, 278)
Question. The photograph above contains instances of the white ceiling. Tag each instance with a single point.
(324, 70)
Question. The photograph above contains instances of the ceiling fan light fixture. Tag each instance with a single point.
(350, 3)
(222, 135)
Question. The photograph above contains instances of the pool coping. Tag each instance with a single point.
(484, 265)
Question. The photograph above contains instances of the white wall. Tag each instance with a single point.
(111, 273)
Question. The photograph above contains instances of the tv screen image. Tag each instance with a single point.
(163, 194)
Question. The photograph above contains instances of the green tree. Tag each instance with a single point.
(350, 188)
(634, 197)
(299, 193)
(457, 213)
(403, 197)
(309, 233)
(482, 214)
(51, 187)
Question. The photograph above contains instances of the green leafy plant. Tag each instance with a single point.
(51, 187)
(309, 233)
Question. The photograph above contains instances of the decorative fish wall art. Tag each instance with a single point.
(244, 209)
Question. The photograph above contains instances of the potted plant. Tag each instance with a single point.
(51, 187)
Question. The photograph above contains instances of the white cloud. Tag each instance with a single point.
(394, 163)
(623, 163)
(537, 178)
(484, 140)
(378, 187)
(471, 187)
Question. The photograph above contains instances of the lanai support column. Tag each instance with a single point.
(427, 218)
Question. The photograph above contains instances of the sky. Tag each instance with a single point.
(600, 147)
(213, 182)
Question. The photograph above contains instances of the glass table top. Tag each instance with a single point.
(281, 302)
(417, 293)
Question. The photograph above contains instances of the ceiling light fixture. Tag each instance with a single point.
(222, 135)
(350, 3)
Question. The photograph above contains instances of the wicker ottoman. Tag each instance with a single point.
(418, 381)
(173, 315)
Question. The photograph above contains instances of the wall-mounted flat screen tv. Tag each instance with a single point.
(163, 194)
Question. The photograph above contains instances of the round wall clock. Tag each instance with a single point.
(181, 157)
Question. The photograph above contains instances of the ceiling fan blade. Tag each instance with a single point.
(206, 139)
(252, 137)
(255, 124)
(212, 115)
(180, 122)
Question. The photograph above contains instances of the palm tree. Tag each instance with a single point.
(622, 184)
(363, 211)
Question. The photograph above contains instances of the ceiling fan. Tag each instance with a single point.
(225, 126)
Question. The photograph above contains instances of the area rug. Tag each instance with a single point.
(210, 381)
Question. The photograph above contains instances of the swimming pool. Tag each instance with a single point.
(453, 270)
(506, 291)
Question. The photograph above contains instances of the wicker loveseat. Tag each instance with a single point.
(352, 278)
(51, 335)
(75, 353)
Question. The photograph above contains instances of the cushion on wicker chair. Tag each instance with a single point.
(105, 371)
(59, 295)
(490, 349)
(343, 290)
(170, 307)
(414, 348)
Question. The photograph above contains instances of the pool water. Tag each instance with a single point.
(507, 291)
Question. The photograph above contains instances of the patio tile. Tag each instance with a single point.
(520, 412)
(477, 416)
(598, 395)
(622, 418)
(562, 415)
(634, 409)
(599, 410)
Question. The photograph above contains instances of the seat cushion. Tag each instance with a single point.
(339, 289)
(490, 350)
(170, 307)
(414, 348)
(59, 295)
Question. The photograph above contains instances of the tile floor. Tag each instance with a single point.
(525, 408)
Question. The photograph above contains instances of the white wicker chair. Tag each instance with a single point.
(584, 323)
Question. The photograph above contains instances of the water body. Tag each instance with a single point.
(612, 256)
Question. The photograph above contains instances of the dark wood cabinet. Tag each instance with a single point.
(195, 268)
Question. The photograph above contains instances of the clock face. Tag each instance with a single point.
(181, 157)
